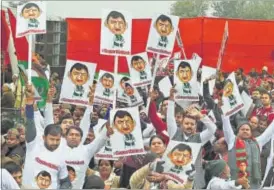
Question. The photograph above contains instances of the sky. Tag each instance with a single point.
(92, 9)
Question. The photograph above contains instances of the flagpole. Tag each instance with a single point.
(116, 59)
(153, 80)
(29, 58)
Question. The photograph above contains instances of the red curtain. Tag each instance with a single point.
(250, 43)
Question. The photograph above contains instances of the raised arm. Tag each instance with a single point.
(228, 132)
(49, 119)
(155, 120)
(138, 178)
(85, 122)
(30, 125)
(171, 122)
(207, 97)
(207, 134)
(266, 136)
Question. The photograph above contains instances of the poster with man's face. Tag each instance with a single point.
(120, 83)
(115, 32)
(127, 138)
(185, 78)
(133, 96)
(43, 180)
(31, 18)
(139, 69)
(78, 78)
(179, 159)
(232, 100)
(105, 152)
(105, 88)
(162, 34)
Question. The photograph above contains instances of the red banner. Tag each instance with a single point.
(250, 43)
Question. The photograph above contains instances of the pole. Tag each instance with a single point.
(29, 58)
(153, 80)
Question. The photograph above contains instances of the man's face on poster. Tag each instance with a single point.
(43, 182)
(184, 74)
(31, 13)
(129, 90)
(164, 28)
(228, 89)
(107, 82)
(124, 125)
(180, 158)
(79, 77)
(116, 25)
(139, 65)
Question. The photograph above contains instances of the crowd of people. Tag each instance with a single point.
(62, 138)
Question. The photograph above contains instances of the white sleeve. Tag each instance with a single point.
(171, 122)
(38, 124)
(97, 143)
(7, 181)
(149, 131)
(48, 114)
(266, 136)
(85, 123)
(63, 172)
(222, 184)
(228, 132)
(207, 134)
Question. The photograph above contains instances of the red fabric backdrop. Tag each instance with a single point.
(250, 43)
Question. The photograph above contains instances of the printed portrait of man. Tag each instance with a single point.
(122, 85)
(71, 173)
(125, 124)
(184, 74)
(180, 156)
(43, 179)
(108, 147)
(117, 25)
(228, 92)
(129, 90)
(164, 27)
(31, 12)
(139, 64)
(79, 76)
(107, 81)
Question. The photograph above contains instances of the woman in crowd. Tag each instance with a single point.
(157, 145)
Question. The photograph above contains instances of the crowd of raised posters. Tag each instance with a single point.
(154, 150)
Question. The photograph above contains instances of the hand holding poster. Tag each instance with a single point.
(185, 78)
(78, 79)
(206, 73)
(232, 100)
(162, 34)
(104, 92)
(127, 138)
(178, 161)
(116, 32)
(140, 70)
(31, 18)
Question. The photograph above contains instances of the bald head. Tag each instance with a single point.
(254, 121)
(220, 146)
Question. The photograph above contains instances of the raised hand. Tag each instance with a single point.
(51, 92)
(29, 92)
(109, 129)
(153, 95)
(91, 94)
(172, 92)
(193, 111)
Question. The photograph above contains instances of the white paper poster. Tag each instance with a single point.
(127, 138)
(185, 78)
(106, 152)
(165, 86)
(116, 32)
(179, 159)
(104, 92)
(78, 79)
(139, 69)
(206, 73)
(232, 100)
(162, 34)
(248, 104)
(31, 18)
(133, 96)
(121, 94)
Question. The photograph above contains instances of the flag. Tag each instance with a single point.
(39, 79)
(5, 36)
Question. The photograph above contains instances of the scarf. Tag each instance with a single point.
(241, 156)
